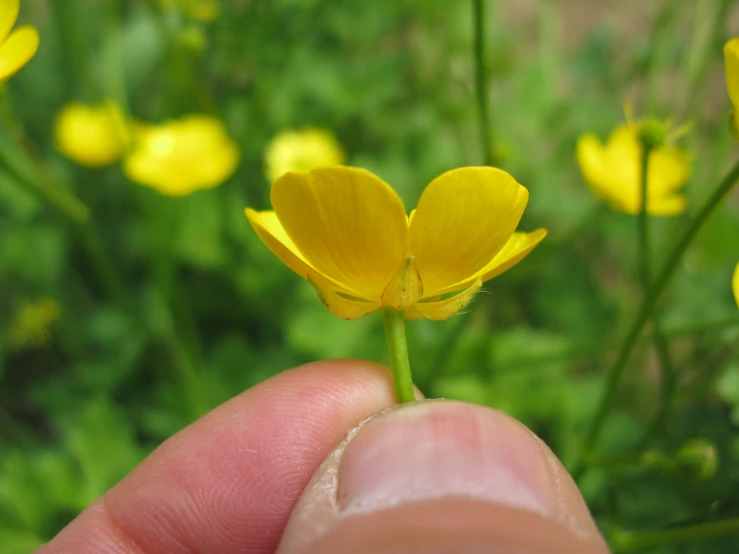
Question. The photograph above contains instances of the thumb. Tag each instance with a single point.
(441, 476)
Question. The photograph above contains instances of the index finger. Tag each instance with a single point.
(228, 482)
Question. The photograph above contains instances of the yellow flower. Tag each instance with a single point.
(182, 156)
(731, 62)
(302, 151)
(30, 325)
(18, 47)
(201, 10)
(613, 172)
(94, 136)
(735, 284)
(346, 231)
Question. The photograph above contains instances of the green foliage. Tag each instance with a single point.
(210, 312)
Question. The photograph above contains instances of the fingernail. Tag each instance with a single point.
(440, 449)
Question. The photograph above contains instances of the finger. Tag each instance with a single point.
(228, 482)
(397, 477)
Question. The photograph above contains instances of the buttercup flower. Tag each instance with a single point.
(613, 172)
(735, 284)
(201, 10)
(18, 47)
(182, 156)
(302, 151)
(731, 63)
(94, 136)
(30, 326)
(346, 231)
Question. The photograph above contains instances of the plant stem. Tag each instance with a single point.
(667, 373)
(657, 50)
(626, 541)
(643, 219)
(710, 18)
(481, 85)
(397, 350)
(655, 291)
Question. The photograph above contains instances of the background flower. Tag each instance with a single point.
(182, 156)
(302, 151)
(612, 171)
(94, 135)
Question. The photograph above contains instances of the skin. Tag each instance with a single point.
(253, 476)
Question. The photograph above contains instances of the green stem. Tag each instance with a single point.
(657, 50)
(643, 219)
(481, 85)
(626, 541)
(655, 291)
(667, 373)
(397, 350)
(710, 19)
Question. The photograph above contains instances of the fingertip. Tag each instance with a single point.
(437, 450)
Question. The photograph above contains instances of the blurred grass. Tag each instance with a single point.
(395, 82)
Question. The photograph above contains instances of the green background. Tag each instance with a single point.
(212, 312)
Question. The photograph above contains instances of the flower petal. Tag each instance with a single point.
(448, 307)
(731, 61)
(591, 159)
(268, 228)
(348, 224)
(516, 249)
(8, 15)
(735, 284)
(669, 169)
(464, 217)
(15, 52)
(345, 308)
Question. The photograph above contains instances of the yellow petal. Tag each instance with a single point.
(669, 169)
(268, 228)
(15, 52)
(666, 205)
(343, 307)
(463, 218)
(735, 284)
(8, 14)
(731, 61)
(515, 250)
(405, 288)
(448, 307)
(349, 224)
(591, 159)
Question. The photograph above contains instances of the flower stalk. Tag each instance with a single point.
(397, 349)
(481, 84)
(615, 372)
(667, 372)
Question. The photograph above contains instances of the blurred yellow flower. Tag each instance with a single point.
(302, 151)
(731, 62)
(613, 172)
(94, 136)
(182, 156)
(201, 10)
(735, 284)
(30, 326)
(346, 232)
(18, 47)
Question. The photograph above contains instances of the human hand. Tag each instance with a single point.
(263, 473)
